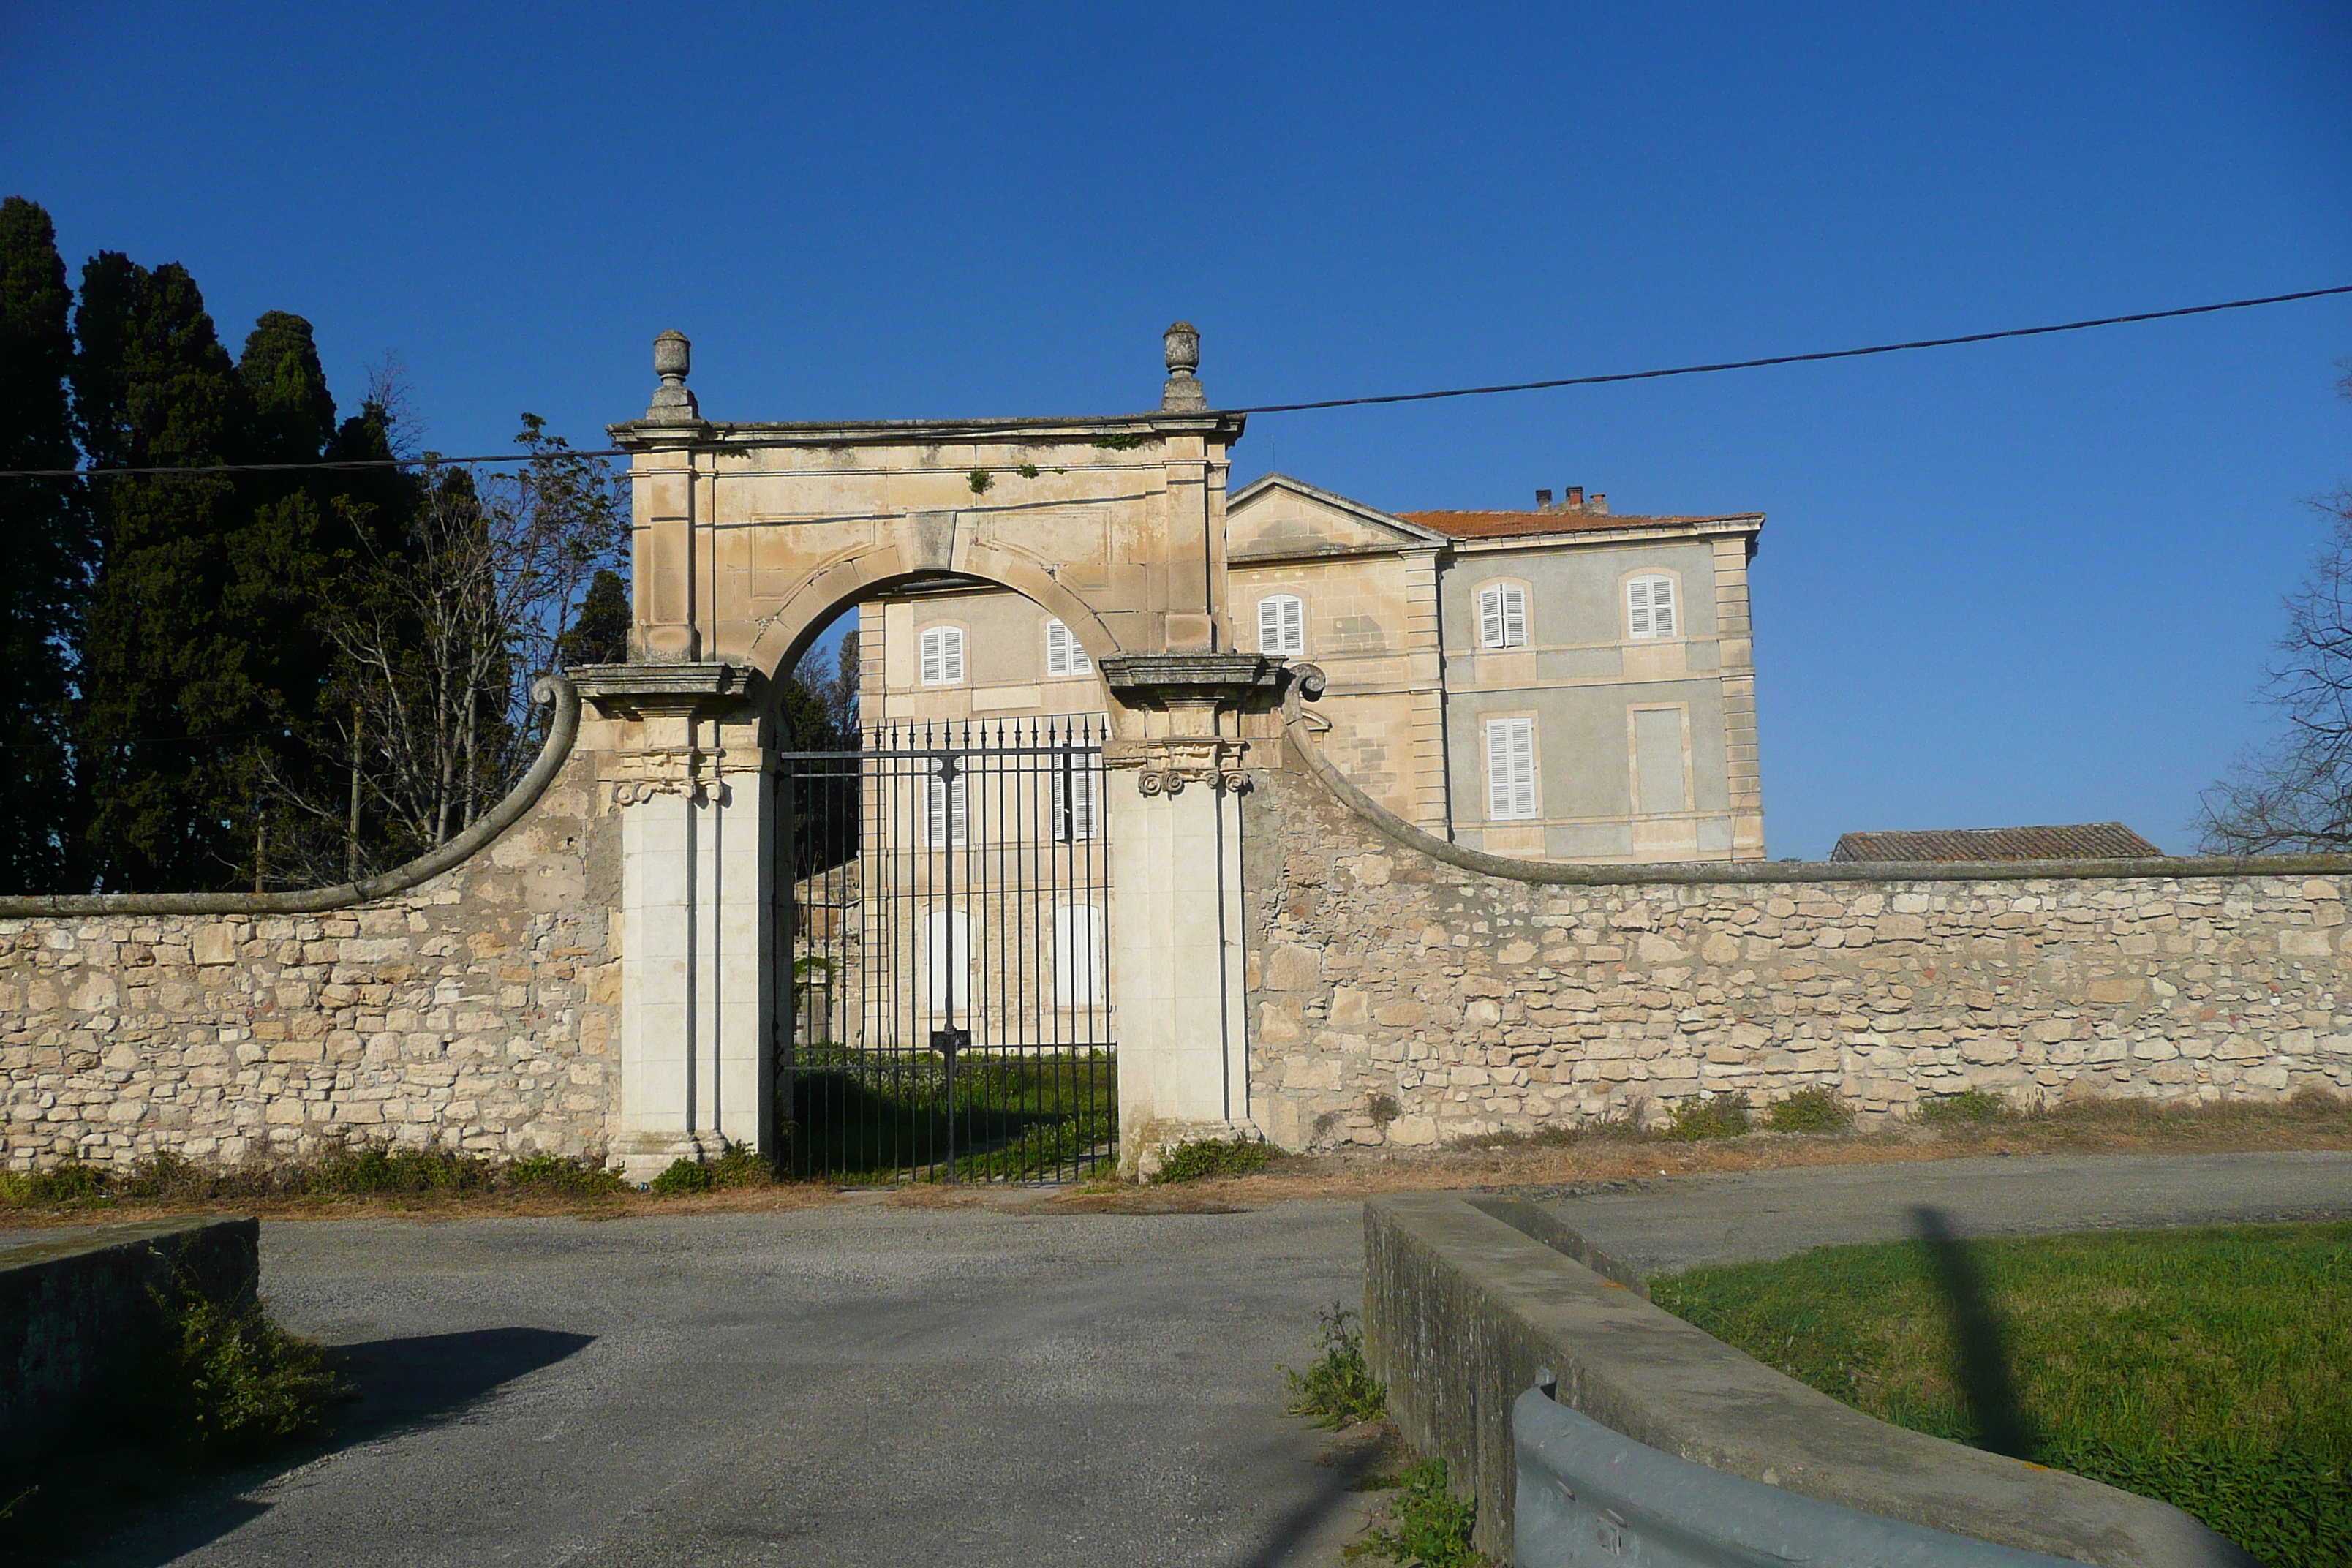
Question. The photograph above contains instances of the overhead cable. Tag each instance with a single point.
(436, 459)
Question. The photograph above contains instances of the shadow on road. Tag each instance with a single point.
(402, 1385)
(1981, 1358)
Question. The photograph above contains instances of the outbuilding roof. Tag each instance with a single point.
(2070, 841)
(1510, 524)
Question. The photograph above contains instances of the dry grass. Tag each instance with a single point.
(1602, 1155)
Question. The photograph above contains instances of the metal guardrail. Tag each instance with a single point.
(1588, 1494)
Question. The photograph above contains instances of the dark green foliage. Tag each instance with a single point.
(1337, 1388)
(232, 1381)
(1204, 1157)
(1721, 1115)
(1427, 1524)
(1970, 1105)
(46, 552)
(684, 1177)
(601, 633)
(875, 1115)
(2210, 1368)
(1814, 1109)
(172, 716)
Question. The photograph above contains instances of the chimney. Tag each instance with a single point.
(1575, 501)
(1543, 500)
(1598, 505)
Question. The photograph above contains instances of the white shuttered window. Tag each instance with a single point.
(1075, 791)
(1650, 607)
(1282, 623)
(950, 965)
(1077, 956)
(942, 655)
(1510, 769)
(944, 819)
(1503, 616)
(1064, 654)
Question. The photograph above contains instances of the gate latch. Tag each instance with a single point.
(948, 1042)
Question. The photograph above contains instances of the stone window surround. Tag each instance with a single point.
(1634, 763)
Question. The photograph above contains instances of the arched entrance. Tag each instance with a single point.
(745, 538)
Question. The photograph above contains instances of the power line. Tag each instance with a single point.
(370, 463)
(1795, 359)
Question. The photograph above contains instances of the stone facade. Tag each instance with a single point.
(479, 1011)
(1395, 999)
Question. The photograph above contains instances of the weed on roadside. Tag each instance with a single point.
(1337, 1388)
(1814, 1109)
(232, 1380)
(1721, 1115)
(1426, 1523)
(1971, 1106)
(1204, 1157)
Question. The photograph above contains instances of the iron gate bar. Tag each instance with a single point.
(945, 933)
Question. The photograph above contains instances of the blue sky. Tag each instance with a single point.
(2023, 583)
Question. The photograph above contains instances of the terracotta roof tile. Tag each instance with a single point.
(1510, 524)
(2075, 841)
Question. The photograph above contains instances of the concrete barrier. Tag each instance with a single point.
(1462, 1308)
(77, 1317)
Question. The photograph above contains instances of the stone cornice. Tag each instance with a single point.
(641, 435)
(634, 690)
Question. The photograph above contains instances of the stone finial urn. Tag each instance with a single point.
(1183, 391)
(672, 357)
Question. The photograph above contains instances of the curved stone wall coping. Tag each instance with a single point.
(1309, 682)
(562, 728)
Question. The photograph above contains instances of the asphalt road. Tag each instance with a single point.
(846, 1385)
(867, 1384)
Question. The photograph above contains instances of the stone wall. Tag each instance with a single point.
(479, 1011)
(1396, 999)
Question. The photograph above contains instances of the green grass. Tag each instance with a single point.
(859, 1115)
(2211, 1368)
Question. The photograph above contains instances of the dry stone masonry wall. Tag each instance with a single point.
(479, 1011)
(1400, 1000)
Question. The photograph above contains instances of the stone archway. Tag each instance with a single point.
(746, 538)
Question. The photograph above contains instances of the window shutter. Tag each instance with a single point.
(943, 813)
(1270, 626)
(1490, 617)
(1282, 625)
(1293, 626)
(1510, 769)
(1514, 616)
(1077, 957)
(950, 654)
(1057, 648)
(951, 959)
(1074, 798)
(1637, 606)
(1662, 606)
(931, 675)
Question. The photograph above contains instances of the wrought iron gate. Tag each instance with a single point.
(946, 979)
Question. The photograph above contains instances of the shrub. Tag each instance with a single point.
(1337, 1388)
(1199, 1158)
(740, 1166)
(234, 1381)
(561, 1173)
(684, 1175)
(1968, 1106)
(72, 1183)
(1722, 1115)
(1430, 1525)
(1814, 1109)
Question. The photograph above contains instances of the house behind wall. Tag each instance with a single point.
(1502, 679)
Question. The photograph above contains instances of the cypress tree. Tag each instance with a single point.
(601, 633)
(170, 709)
(46, 550)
